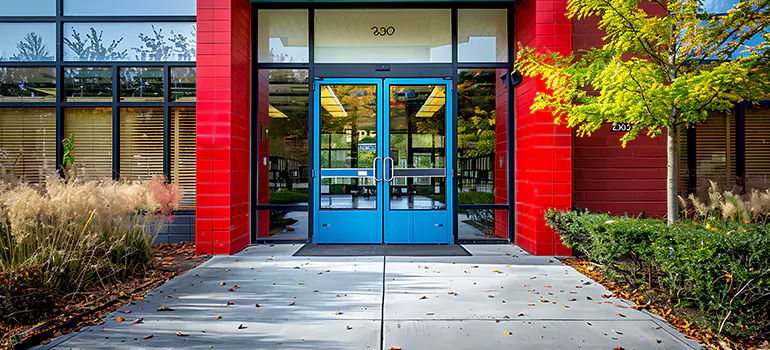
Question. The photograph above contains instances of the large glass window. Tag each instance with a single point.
(129, 8)
(383, 36)
(141, 84)
(88, 84)
(182, 131)
(183, 84)
(283, 36)
(162, 41)
(27, 41)
(141, 143)
(28, 8)
(28, 84)
(757, 148)
(28, 142)
(482, 35)
(92, 128)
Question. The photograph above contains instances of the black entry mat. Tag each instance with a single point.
(381, 250)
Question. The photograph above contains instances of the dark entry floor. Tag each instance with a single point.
(381, 250)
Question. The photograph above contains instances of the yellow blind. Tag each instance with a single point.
(757, 148)
(92, 128)
(141, 143)
(183, 153)
(716, 152)
(28, 142)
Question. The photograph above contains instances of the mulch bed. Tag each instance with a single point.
(658, 304)
(76, 310)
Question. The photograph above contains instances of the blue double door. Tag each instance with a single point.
(383, 161)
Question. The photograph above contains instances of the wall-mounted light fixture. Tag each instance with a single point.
(513, 79)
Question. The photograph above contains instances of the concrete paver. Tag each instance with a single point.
(377, 303)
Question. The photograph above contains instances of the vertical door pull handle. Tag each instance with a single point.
(392, 169)
(374, 169)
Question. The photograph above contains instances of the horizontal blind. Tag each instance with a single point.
(28, 142)
(684, 170)
(141, 143)
(757, 148)
(182, 153)
(716, 152)
(92, 128)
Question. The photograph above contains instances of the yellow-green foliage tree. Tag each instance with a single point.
(663, 65)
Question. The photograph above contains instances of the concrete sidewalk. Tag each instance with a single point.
(501, 297)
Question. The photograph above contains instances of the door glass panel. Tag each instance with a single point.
(417, 147)
(348, 142)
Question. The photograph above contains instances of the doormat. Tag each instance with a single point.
(417, 250)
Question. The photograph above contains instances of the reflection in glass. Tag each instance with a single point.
(418, 142)
(285, 119)
(348, 141)
(92, 128)
(28, 8)
(129, 41)
(383, 36)
(283, 224)
(283, 36)
(482, 35)
(182, 84)
(141, 143)
(141, 84)
(88, 84)
(27, 41)
(28, 84)
(28, 142)
(129, 8)
(482, 223)
(182, 153)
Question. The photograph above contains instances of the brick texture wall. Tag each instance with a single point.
(223, 125)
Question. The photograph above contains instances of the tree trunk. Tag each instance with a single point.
(672, 178)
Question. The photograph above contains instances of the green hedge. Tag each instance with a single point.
(288, 197)
(723, 269)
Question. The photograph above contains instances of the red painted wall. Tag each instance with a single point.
(543, 150)
(263, 168)
(606, 177)
(223, 125)
(501, 150)
(609, 178)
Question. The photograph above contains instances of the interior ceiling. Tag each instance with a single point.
(412, 27)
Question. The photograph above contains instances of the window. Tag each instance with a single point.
(28, 84)
(383, 36)
(183, 84)
(92, 128)
(283, 36)
(28, 142)
(182, 162)
(141, 84)
(141, 143)
(129, 41)
(27, 41)
(757, 148)
(482, 35)
(129, 8)
(29, 8)
(715, 148)
(88, 84)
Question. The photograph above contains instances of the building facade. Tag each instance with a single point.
(335, 122)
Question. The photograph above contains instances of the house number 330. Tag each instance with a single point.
(383, 31)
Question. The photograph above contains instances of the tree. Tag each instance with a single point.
(31, 48)
(663, 65)
(92, 47)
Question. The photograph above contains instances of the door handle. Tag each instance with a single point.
(392, 171)
(374, 169)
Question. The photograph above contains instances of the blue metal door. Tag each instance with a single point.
(382, 170)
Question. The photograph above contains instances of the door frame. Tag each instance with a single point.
(382, 211)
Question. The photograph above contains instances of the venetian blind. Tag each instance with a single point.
(716, 152)
(182, 154)
(92, 128)
(757, 148)
(141, 143)
(28, 142)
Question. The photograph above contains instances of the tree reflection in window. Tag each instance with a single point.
(153, 46)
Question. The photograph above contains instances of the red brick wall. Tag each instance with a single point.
(223, 129)
(543, 150)
(608, 178)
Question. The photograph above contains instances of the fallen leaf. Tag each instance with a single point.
(163, 308)
(565, 306)
(619, 314)
(219, 317)
(548, 287)
(506, 316)
(127, 311)
(256, 305)
(498, 271)
(230, 303)
(549, 260)
(452, 293)
(348, 327)
(338, 313)
(520, 314)
(221, 283)
(167, 297)
(394, 348)
(138, 298)
(363, 308)
(657, 340)
(617, 332)
(119, 319)
(507, 333)
(606, 296)
(292, 303)
(179, 334)
(139, 320)
(490, 296)
(316, 291)
(423, 297)
(148, 336)
(241, 326)
(571, 299)
(530, 304)
(475, 267)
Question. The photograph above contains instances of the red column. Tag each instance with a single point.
(223, 131)
(263, 121)
(501, 152)
(543, 150)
